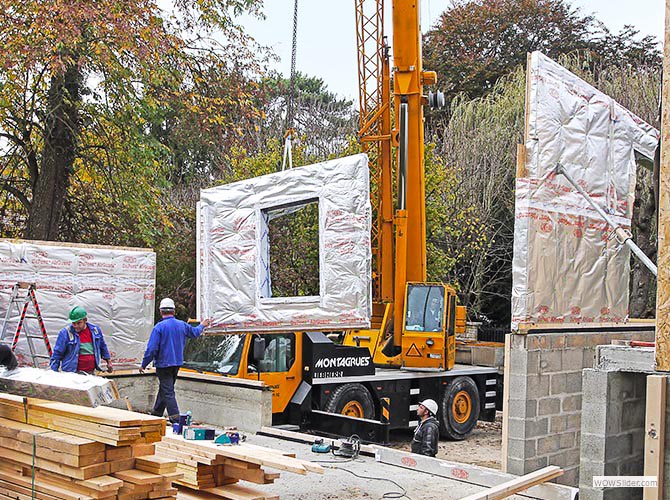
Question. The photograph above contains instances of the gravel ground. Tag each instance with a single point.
(482, 447)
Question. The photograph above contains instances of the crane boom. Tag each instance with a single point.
(398, 335)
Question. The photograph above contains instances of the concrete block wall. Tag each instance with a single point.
(613, 431)
(543, 375)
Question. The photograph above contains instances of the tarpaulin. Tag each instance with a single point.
(234, 245)
(115, 285)
(567, 265)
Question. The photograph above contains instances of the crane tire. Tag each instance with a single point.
(459, 409)
(353, 400)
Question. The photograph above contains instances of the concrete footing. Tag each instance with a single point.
(217, 401)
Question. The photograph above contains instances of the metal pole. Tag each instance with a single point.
(403, 157)
(623, 235)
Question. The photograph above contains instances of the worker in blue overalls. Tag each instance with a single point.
(166, 349)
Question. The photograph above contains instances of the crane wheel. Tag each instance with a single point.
(460, 409)
(352, 400)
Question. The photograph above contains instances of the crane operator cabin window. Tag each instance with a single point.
(425, 308)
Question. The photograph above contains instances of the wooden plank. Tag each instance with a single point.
(140, 450)
(118, 453)
(75, 472)
(663, 256)
(239, 492)
(471, 474)
(521, 170)
(121, 465)
(49, 454)
(137, 476)
(101, 415)
(518, 484)
(239, 452)
(654, 440)
(62, 491)
(101, 484)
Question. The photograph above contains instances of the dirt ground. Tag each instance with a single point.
(482, 447)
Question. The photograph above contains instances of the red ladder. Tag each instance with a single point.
(22, 302)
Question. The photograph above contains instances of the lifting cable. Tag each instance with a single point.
(288, 137)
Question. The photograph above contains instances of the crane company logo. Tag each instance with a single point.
(342, 362)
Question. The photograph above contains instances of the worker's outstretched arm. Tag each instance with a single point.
(196, 331)
(59, 350)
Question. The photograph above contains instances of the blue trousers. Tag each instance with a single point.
(166, 398)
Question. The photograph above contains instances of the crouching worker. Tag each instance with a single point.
(427, 434)
(80, 346)
(166, 349)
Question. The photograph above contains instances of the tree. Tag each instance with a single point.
(476, 42)
(83, 84)
(322, 121)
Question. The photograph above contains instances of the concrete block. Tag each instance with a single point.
(640, 386)
(589, 357)
(570, 477)
(576, 340)
(519, 342)
(515, 466)
(573, 359)
(573, 382)
(592, 447)
(632, 414)
(519, 408)
(567, 440)
(551, 361)
(516, 428)
(537, 427)
(618, 446)
(534, 464)
(623, 358)
(549, 406)
(521, 448)
(558, 424)
(558, 341)
(621, 386)
(572, 403)
(558, 383)
(537, 386)
(538, 342)
(632, 466)
(549, 444)
(574, 421)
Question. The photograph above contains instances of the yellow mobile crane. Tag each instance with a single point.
(375, 379)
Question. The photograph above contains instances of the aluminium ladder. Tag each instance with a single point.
(22, 302)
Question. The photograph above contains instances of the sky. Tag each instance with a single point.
(327, 32)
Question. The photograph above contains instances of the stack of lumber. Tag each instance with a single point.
(103, 424)
(60, 451)
(213, 471)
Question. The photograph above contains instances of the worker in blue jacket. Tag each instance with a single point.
(166, 349)
(80, 346)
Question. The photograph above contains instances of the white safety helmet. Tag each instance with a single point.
(430, 405)
(166, 304)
